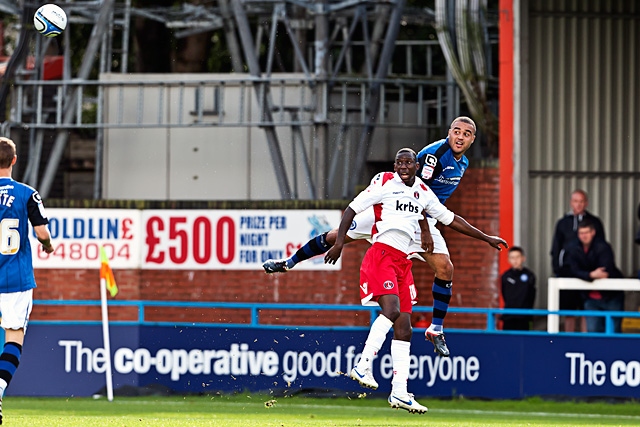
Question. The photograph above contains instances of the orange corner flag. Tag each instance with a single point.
(107, 274)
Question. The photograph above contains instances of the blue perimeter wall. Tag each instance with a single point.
(69, 360)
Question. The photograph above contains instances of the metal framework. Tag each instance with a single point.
(361, 36)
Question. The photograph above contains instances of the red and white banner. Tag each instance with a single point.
(77, 235)
(182, 239)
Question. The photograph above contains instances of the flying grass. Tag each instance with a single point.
(247, 410)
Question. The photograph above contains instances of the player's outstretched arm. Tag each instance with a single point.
(336, 250)
(462, 226)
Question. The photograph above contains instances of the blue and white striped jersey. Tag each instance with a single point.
(19, 205)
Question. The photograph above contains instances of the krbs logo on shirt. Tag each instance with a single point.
(388, 284)
(406, 207)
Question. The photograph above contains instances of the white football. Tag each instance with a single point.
(50, 20)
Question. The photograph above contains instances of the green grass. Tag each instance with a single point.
(263, 410)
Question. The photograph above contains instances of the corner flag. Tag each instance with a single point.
(106, 273)
(107, 281)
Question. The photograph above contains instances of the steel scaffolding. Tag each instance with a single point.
(347, 76)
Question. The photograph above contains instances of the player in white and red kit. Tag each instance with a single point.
(442, 166)
(400, 201)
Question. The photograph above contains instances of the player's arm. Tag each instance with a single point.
(367, 198)
(462, 226)
(44, 237)
(425, 234)
(336, 250)
(39, 221)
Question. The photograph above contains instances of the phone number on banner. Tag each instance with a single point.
(77, 235)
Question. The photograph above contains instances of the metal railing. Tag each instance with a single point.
(227, 102)
(253, 319)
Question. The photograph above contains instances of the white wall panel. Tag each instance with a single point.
(583, 121)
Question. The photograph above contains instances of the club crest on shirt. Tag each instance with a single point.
(416, 194)
(388, 284)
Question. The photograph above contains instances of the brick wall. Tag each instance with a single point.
(475, 279)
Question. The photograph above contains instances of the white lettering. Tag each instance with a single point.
(633, 374)
(240, 360)
(473, 369)
(386, 366)
(573, 357)
(67, 352)
(618, 369)
(432, 364)
(599, 372)
(270, 364)
(123, 360)
(625, 373)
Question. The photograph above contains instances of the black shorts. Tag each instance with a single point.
(571, 300)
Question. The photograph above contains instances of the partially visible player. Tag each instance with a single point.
(442, 165)
(19, 205)
(399, 200)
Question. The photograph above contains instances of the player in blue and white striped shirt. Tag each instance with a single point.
(19, 205)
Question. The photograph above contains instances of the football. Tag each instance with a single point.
(50, 20)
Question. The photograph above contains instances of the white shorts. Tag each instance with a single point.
(16, 308)
(362, 225)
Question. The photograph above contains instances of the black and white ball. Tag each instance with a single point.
(50, 20)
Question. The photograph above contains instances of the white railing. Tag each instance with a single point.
(556, 284)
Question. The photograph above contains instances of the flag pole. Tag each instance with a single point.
(105, 337)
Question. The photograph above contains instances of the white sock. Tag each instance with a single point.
(436, 329)
(377, 334)
(3, 385)
(401, 356)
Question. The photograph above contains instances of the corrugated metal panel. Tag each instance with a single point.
(584, 121)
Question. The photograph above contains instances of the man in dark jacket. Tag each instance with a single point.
(566, 235)
(592, 259)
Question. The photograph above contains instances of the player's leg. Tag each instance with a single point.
(15, 308)
(316, 246)
(377, 269)
(320, 244)
(401, 347)
(441, 289)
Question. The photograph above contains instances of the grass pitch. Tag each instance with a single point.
(246, 410)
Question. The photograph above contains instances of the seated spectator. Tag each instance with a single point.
(518, 291)
(592, 259)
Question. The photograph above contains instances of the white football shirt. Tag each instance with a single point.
(398, 208)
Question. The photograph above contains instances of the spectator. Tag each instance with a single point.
(592, 259)
(566, 235)
(518, 291)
